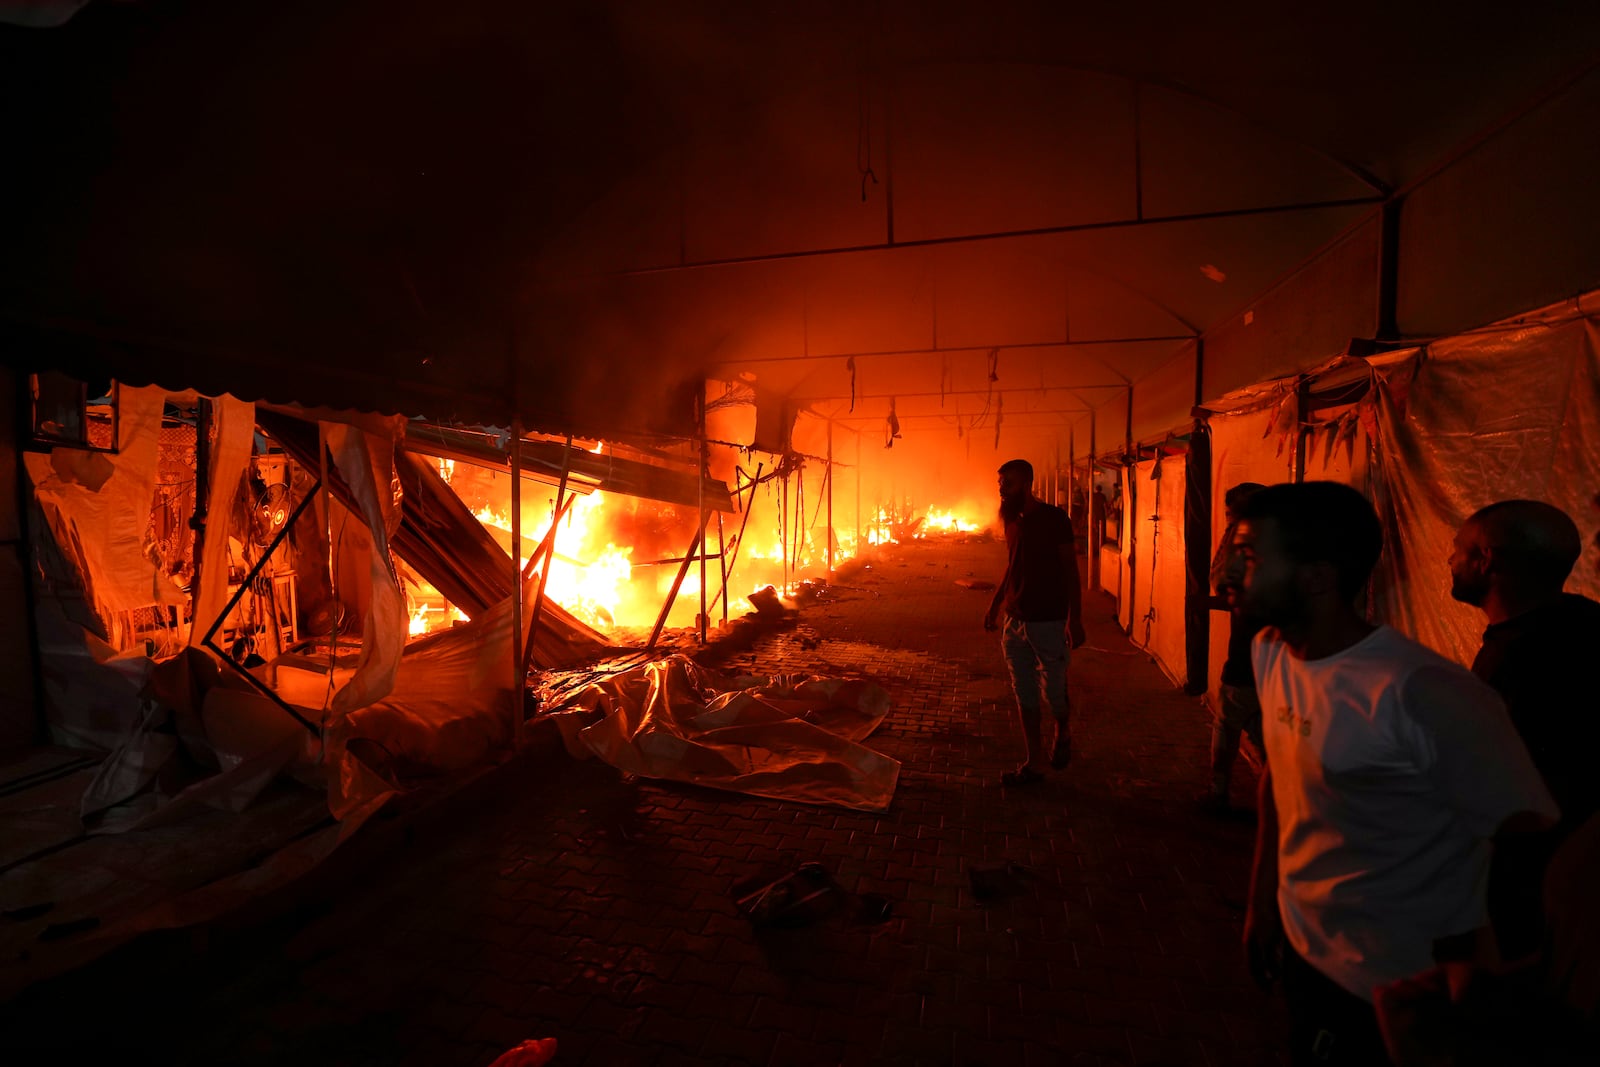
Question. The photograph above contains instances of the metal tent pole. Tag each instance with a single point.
(700, 503)
(830, 498)
(517, 652)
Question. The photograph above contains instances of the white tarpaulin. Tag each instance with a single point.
(788, 737)
(1252, 441)
(1502, 414)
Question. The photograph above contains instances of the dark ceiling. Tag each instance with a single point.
(437, 208)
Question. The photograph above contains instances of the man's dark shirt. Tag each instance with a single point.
(1237, 668)
(1035, 585)
(1541, 663)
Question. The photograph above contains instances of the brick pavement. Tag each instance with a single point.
(576, 904)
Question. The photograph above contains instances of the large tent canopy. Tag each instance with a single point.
(573, 209)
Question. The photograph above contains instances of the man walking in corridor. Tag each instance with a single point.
(1039, 605)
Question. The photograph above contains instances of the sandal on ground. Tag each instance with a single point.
(1022, 776)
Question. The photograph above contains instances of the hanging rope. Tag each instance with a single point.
(864, 136)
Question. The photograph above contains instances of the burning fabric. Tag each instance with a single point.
(789, 737)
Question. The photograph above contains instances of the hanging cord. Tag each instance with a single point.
(864, 136)
(1155, 547)
(892, 427)
(827, 475)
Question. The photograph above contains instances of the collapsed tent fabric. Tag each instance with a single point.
(788, 737)
(446, 544)
(97, 505)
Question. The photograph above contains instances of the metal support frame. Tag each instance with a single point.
(829, 495)
(704, 466)
(722, 565)
(548, 547)
(245, 586)
(739, 544)
(1096, 529)
(1388, 295)
(677, 583)
(519, 653)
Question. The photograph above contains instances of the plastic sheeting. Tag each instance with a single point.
(787, 737)
(451, 708)
(1512, 413)
(233, 426)
(97, 505)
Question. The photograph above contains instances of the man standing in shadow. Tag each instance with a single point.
(1040, 604)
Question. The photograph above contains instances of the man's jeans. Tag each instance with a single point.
(1037, 654)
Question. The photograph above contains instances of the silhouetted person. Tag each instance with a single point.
(1040, 602)
(1240, 711)
(1389, 770)
(1511, 559)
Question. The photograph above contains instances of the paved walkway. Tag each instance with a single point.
(574, 904)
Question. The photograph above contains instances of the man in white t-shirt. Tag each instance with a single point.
(1389, 771)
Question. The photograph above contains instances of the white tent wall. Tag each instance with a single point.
(1243, 449)
(18, 713)
(1159, 582)
(1505, 413)
(1163, 398)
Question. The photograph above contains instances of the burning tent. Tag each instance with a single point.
(310, 671)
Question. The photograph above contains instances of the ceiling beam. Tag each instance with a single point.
(1002, 235)
(1010, 417)
(1155, 339)
(816, 397)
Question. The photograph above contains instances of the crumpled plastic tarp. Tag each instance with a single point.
(97, 505)
(789, 737)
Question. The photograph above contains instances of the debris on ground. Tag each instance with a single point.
(974, 583)
(804, 896)
(767, 604)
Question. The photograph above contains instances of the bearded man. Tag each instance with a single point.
(1039, 607)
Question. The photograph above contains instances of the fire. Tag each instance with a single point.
(589, 575)
(429, 610)
(605, 572)
(946, 522)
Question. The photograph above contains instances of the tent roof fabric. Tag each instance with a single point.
(567, 210)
